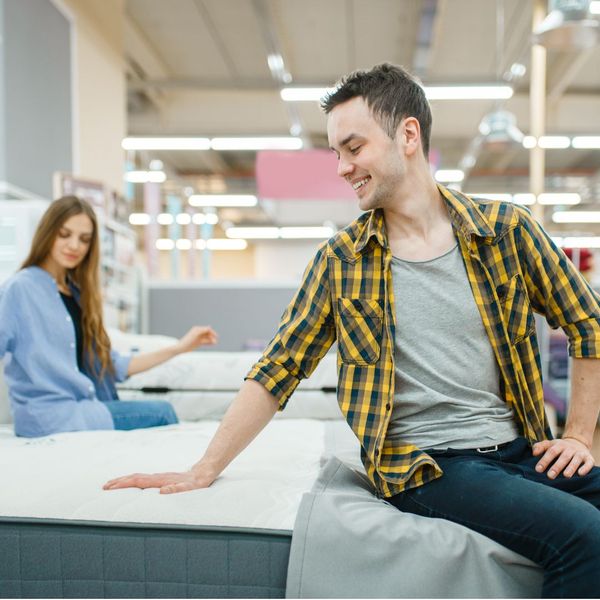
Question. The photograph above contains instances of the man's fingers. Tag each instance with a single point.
(586, 467)
(141, 480)
(564, 458)
(174, 488)
(540, 447)
(576, 462)
(550, 454)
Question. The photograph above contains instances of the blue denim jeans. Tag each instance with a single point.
(139, 414)
(554, 523)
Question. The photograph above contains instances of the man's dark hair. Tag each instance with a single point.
(391, 94)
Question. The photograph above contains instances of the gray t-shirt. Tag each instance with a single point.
(447, 391)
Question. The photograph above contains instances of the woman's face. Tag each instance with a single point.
(72, 242)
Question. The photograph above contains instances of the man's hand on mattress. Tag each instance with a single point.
(199, 335)
(169, 483)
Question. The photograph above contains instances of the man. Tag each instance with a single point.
(429, 295)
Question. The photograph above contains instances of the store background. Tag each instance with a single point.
(77, 77)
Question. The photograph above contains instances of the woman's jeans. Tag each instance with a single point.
(555, 523)
(140, 414)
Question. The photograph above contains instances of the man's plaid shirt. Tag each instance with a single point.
(346, 295)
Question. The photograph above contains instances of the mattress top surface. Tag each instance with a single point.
(61, 476)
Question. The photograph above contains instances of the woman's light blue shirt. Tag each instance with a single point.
(48, 392)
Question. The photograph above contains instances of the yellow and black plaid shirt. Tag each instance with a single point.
(346, 295)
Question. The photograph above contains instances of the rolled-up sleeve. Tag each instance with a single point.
(121, 364)
(305, 334)
(558, 290)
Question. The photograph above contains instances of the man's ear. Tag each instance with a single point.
(410, 130)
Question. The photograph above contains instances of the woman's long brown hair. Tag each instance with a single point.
(85, 276)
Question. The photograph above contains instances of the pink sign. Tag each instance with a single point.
(300, 175)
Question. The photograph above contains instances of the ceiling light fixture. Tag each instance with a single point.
(256, 143)
(468, 92)
(165, 143)
(139, 219)
(554, 141)
(581, 242)
(586, 142)
(222, 200)
(433, 92)
(255, 233)
(305, 232)
(559, 198)
(449, 175)
(164, 219)
(576, 216)
(165, 244)
(145, 176)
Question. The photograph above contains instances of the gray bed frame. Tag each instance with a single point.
(43, 558)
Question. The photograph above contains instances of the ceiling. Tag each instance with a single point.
(199, 68)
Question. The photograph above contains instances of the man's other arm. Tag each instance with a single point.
(251, 410)
(571, 454)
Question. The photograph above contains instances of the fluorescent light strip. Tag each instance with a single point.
(595, 7)
(165, 244)
(305, 94)
(222, 200)
(449, 175)
(554, 141)
(468, 92)
(256, 143)
(271, 233)
(305, 232)
(556, 198)
(433, 92)
(547, 141)
(145, 176)
(581, 242)
(586, 142)
(221, 244)
(165, 143)
(164, 219)
(139, 219)
(183, 219)
(576, 216)
(255, 233)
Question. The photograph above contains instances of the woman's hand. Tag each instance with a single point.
(168, 483)
(199, 335)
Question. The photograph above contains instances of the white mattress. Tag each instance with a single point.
(208, 370)
(61, 476)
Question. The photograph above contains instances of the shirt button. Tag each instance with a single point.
(72, 344)
(387, 406)
(68, 318)
(91, 388)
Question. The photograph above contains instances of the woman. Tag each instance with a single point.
(61, 371)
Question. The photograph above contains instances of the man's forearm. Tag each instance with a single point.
(250, 411)
(584, 404)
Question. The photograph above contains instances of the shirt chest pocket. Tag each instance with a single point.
(516, 309)
(359, 330)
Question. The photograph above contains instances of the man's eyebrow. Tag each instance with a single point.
(345, 141)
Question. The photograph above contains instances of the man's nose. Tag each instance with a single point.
(344, 168)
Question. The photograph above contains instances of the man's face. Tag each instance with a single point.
(369, 160)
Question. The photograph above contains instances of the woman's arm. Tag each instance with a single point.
(195, 337)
